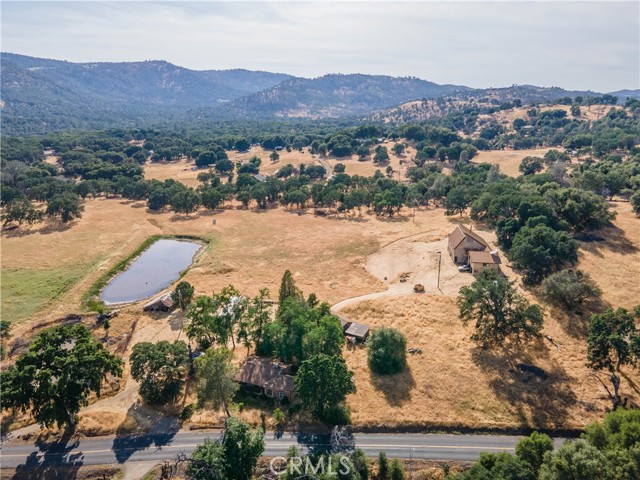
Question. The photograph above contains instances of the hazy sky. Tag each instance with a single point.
(575, 45)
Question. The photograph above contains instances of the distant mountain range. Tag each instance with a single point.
(40, 95)
(336, 95)
(50, 94)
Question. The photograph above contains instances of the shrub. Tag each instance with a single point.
(387, 351)
(396, 470)
(337, 415)
(383, 466)
(569, 288)
(187, 412)
(278, 416)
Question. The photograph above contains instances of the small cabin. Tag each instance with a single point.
(357, 332)
(163, 303)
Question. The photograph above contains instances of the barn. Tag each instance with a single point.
(462, 241)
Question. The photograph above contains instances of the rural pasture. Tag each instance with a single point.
(48, 269)
(450, 384)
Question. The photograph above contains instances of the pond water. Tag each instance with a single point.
(157, 268)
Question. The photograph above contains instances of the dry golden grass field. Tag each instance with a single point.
(508, 160)
(183, 171)
(451, 383)
(506, 117)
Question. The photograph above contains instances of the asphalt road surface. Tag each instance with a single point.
(146, 448)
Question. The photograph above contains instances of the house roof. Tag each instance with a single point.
(164, 300)
(264, 373)
(484, 257)
(358, 330)
(285, 383)
(259, 177)
(461, 232)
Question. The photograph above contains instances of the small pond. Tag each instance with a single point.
(157, 268)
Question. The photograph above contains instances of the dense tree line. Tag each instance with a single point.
(608, 450)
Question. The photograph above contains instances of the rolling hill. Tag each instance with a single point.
(336, 95)
(41, 95)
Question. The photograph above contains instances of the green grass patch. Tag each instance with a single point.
(96, 288)
(27, 291)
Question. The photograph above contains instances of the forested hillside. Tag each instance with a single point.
(41, 95)
(336, 96)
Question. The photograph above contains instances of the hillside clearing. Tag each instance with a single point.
(508, 160)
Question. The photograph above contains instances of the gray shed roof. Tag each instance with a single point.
(357, 330)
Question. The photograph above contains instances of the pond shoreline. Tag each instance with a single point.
(93, 294)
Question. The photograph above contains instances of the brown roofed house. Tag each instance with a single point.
(462, 241)
(482, 261)
(266, 377)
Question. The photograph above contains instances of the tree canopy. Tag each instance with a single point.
(322, 382)
(216, 378)
(500, 313)
(54, 378)
(160, 368)
(540, 250)
(614, 341)
(386, 351)
(233, 458)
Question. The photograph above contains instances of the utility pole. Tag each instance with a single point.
(439, 262)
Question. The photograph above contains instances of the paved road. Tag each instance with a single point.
(108, 450)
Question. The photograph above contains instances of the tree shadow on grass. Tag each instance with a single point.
(612, 239)
(183, 217)
(395, 219)
(542, 397)
(54, 460)
(207, 212)
(151, 429)
(575, 321)
(632, 385)
(396, 388)
(48, 228)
